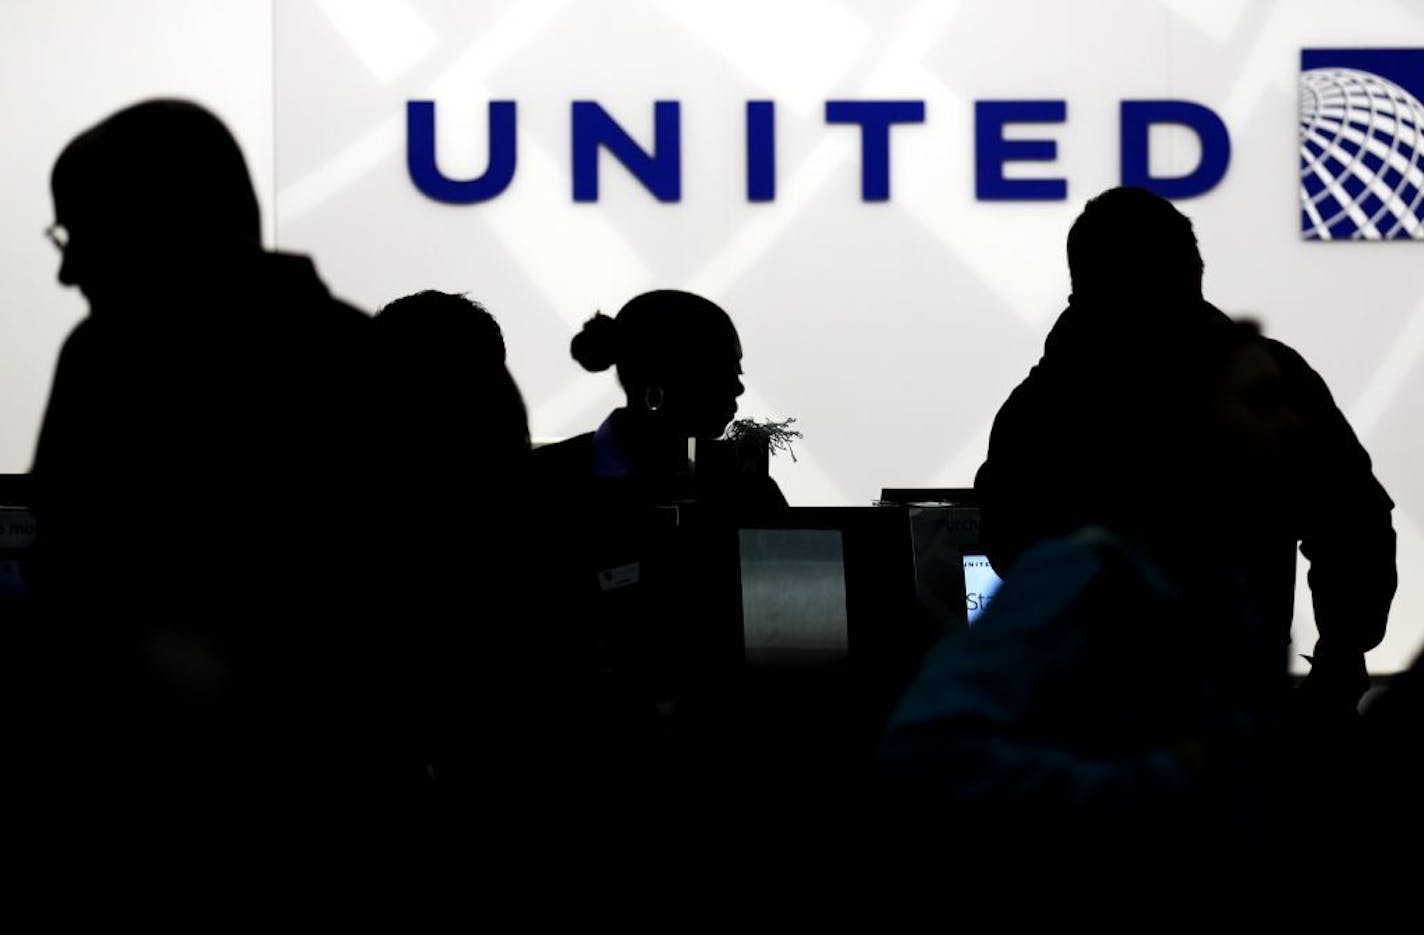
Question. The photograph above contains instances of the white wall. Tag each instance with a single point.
(891, 331)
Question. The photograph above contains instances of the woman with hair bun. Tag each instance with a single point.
(639, 632)
(678, 358)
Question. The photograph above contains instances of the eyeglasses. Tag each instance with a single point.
(58, 235)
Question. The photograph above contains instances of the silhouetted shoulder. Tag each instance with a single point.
(1335, 449)
(83, 341)
(565, 461)
(1297, 372)
(347, 315)
(294, 279)
(67, 412)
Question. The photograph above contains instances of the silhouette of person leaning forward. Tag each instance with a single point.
(193, 486)
(1059, 440)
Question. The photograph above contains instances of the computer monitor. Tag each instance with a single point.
(980, 584)
(826, 585)
(938, 535)
(793, 589)
(954, 580)
(831, 635)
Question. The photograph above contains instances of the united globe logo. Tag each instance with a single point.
(1362, 144)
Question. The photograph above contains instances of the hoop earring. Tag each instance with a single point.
(654, 398)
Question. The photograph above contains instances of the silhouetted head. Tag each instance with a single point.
(445, 380)
(437, 329)
(1130, 242)
(678, 358)
(152, 188)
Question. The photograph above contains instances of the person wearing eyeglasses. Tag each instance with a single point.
(194, 476)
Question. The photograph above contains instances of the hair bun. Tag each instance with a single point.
(596, 346)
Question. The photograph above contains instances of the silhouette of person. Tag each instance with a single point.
(458, 438)
(1058, 439)
(639, 638)
(194, 478)
(678, 358)
(446, 381)
(1124, 689)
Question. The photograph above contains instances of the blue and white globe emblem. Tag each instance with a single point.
(1361, 157)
